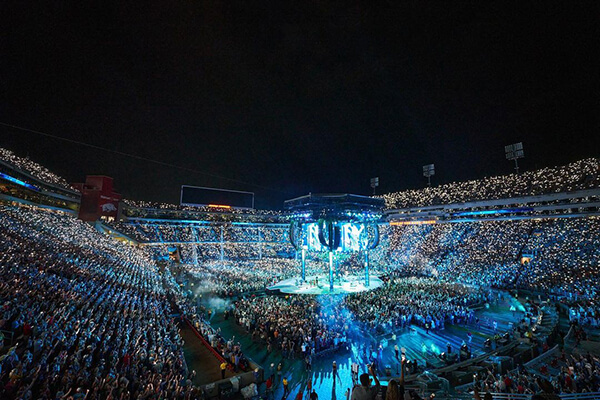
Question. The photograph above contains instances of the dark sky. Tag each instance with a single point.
(298, 96)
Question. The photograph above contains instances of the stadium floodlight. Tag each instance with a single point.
(374, 183)
(514, 152)
(428, 172)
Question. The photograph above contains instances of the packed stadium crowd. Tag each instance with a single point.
(34, 169)
(227, 232)
(583, 174)
(89, 316)
(584, 312)
(297, 325)
(229, 278)
(211, 209)
(199, 242)
(558, 256)
(86, 316)
(420, 301)
(529, 254)
(566, 373)
(320, 323)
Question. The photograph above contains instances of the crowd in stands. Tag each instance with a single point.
(210, 209)
(583, 174)
(566, 373)
(34, 169)
(566, 256)
(420, 301)
(201, 242)
(584, 312)
(558, 256)
(89, 316)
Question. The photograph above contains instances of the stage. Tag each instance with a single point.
(319, 284)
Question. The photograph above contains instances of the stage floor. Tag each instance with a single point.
(319, 284)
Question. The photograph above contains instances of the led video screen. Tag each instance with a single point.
(352, 237)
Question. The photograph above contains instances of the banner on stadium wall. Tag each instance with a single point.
(98, 199)
(108, 206)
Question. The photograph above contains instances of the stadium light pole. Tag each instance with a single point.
(374, 183)
(514, 152)
(428, 172)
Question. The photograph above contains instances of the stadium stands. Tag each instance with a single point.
(33, 168)
(88, 316)
(583, 174)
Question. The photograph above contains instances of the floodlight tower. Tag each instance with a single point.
(514, 152)
(374, 184)
(428, 172)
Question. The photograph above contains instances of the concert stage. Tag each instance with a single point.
(319, 284)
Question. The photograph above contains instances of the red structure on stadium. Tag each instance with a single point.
(98, 198)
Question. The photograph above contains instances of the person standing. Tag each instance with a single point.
(286, 388)
(236, 358)
(223, 369)
(279, 371)
(272, 371)
(354, 372)
(393, 391)
(269, 388)
(334, 370)
(365, 391)
(314, 395)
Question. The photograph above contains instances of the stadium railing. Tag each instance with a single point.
(519, 396)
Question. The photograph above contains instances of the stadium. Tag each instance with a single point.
(488, 286)
(300, 200)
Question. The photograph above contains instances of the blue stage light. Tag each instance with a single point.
(492, 212)
(18, 182)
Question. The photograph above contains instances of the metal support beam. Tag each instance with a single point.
(336, 263)
(331, 271)
(367, 282)
(303, 265)
(222, 244)
(260, 244)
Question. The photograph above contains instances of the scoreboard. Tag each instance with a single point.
(213, 197)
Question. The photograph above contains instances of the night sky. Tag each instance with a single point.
(290, 97)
